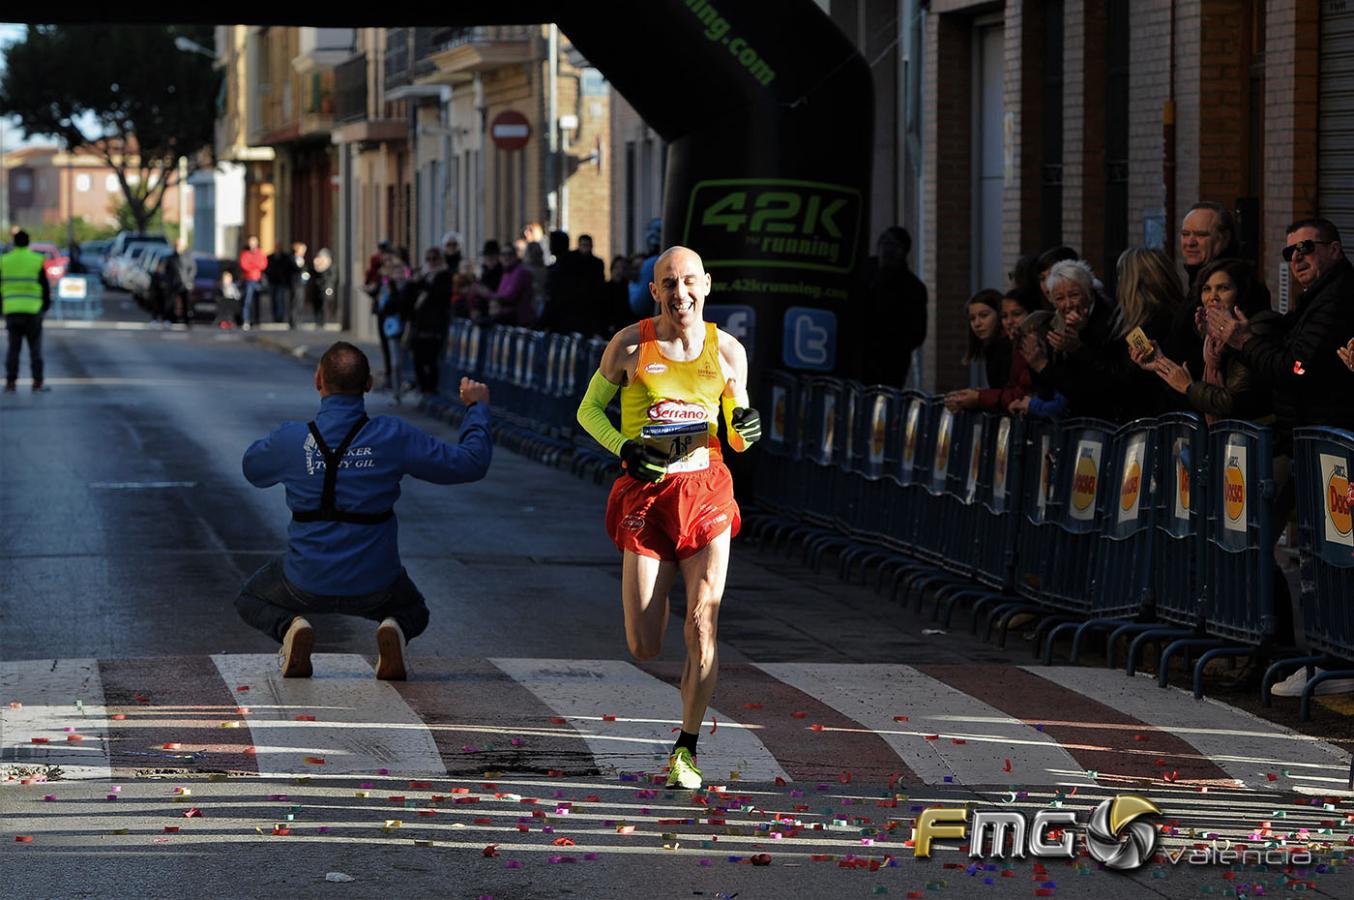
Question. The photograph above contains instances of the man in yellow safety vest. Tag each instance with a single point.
(24, 297)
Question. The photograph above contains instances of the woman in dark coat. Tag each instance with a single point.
(1228, 388)
(430, 318)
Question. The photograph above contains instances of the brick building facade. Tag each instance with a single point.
(1116, 116)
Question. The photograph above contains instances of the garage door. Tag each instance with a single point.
(1336, 115)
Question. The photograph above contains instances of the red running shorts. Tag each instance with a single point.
(674, 518)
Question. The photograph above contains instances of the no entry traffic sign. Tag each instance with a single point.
(510, 130)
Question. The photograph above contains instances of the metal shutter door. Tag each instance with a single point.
(1335, 128)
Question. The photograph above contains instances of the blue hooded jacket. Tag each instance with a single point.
(341, 558)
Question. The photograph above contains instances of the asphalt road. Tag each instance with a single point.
(126, 528)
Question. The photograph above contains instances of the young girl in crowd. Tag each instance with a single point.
(1015, 382)
(989, 353)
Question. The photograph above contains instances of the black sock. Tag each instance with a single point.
(686, 739)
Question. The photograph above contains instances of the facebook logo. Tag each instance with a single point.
(810, 339)
(739, 321)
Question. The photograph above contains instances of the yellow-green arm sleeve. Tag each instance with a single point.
(592, 413)
(728, 402)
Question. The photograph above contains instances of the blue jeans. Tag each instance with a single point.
(268, 601)
(251, 292)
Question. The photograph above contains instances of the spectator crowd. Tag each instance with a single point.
(534, 281)
(1058, 343)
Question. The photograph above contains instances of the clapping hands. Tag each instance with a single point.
(1229, 327)
(1346, 354)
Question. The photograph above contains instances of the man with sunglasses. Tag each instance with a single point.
(1312, 386)
(1299, 359)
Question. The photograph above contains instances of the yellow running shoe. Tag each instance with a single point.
(682, 771)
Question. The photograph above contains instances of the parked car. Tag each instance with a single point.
(125, 239)
(116, 268)
(125, 242)
(139, 276)
(54, 261)
(93, 254)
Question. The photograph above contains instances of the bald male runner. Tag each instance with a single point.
(673, 509)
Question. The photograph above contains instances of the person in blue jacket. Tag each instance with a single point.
(342, 473)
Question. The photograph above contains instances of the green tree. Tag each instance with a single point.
(124, 92)
(56, 232)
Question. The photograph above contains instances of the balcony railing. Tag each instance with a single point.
(350, 89)
(397, 57)
(445, 38)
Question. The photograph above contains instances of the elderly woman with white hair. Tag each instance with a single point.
(1086, 324)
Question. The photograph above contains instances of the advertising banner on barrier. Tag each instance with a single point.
(852, 401)
(1181, 461)
(1003, 451)
(879, 415)
(1130, 483)
(778, 401)
(1085, 480)
(941, 463)
(913, 421)
(829, 428)
(1234, 498)
(975, 459)
(1335, 500)
(1045, 470)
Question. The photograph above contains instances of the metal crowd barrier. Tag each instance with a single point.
(1159, 531)
(1120, 583)
(78, 296)
(1323, 458)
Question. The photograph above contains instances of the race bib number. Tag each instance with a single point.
(684, 445)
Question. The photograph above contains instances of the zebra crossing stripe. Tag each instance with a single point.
(1121, 748)
(169, 711)
(948, 736)
(1246, 747)
(483, 721)
(360, 725)
(52, 714)
(629, 718)
(811, 740)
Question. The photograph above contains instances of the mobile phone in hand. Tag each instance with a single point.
(1137, 340)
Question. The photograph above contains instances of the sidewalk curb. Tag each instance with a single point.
(300, 351)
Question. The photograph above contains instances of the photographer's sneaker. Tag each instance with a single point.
(294, 657)
(1292, 685)
(390, 647)
(682, 771)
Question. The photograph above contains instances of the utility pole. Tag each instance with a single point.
(552, 127)
(70, 199)
(4, 187)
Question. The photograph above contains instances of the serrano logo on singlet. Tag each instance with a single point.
(655, 368)
(676, 411)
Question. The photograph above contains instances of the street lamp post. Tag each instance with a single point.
(186, 44)
(70, 201)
